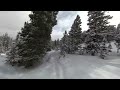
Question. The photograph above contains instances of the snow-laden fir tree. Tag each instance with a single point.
(55, 44)
(58, 44)
(64, 42)
(75, 35)
(83, 36)
(35, 37)
(98, 26)
(5, 43)
(117, 38)
(111, 33)
(117, 35)
(104, 50)
(12, 56)
(98, 21)
(109, 47)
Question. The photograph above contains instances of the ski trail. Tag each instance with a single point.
(58, 67)
(61, 69)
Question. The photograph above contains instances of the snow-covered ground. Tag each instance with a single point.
(70, 67)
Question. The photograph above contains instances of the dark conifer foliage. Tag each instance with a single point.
(75, 34)
(98, 28)
(35, 37)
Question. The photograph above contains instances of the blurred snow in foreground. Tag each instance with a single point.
(70, 67)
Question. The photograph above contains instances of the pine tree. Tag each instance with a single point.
(5, 42)
(52, 45)
(49, 47)
(104, 50)
(117, 38)
(58, 44)
(75, 34)
(117, 34)
(98, 21)
(35, 37)
(64, 42)
(12, 54)
(98, 26)
(111, 33)
(83, 36)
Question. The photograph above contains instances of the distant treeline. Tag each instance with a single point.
(5, 42)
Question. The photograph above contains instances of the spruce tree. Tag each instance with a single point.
(58, 44)
(98, 26)
(75, 34)
(104, 50)
(35, 37)
(117, 34)
(65, 42)
(12, 56)
(98, 21)
(117, 38)
(5, 43)
(111, 33)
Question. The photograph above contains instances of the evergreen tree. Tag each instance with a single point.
(49, 47)
(5, 42)
(98, 21)
(111, 33)
(117, 37)
(83, 36)
(98, 26)
(104, 50)
(52, 45)
(58, 43)
(12, 54)
(75, 34)
(35, 37)
(65, 42)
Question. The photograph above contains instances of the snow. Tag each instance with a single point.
(70, 67)
(3, 54)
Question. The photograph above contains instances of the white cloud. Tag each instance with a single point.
(66, 19)
(56, 34)
(12, 21)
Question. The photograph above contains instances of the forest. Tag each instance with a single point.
(33, 43)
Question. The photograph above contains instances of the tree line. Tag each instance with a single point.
(94, 41)
(5, 43)
(34, 40)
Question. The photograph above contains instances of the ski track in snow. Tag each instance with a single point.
(70, 67)
(58, 67)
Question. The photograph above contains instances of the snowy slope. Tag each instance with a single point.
(70, 67)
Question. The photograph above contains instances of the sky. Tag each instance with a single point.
(12, 21)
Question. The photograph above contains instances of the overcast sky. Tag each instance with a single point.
(12, 21)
